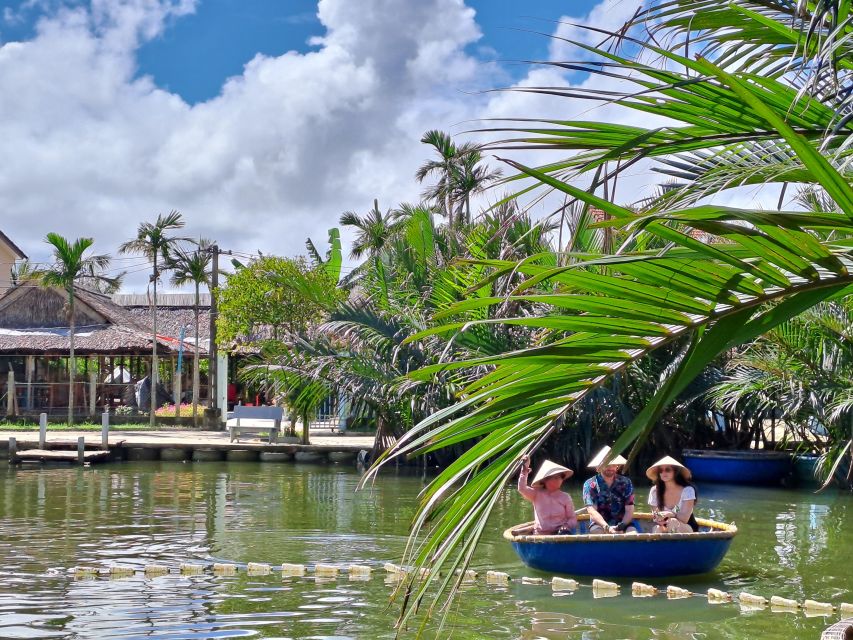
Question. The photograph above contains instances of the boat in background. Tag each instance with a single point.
(806, 473)
(805, 470)
(738, 467)
(648, 555)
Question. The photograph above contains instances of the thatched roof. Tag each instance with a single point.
(186, 300)
(174, 310)
(33, 320)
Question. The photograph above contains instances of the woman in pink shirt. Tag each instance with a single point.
(553, 510)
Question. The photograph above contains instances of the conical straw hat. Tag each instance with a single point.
(549, 469)
(601, 459)
(652, 472)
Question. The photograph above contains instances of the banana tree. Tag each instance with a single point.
(744, 111)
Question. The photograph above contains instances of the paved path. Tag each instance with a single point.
(196, 439)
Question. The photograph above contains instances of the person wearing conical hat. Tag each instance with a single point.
(609, 496)
(553, 509)
(672, 497)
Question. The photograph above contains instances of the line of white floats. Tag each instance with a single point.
(396, 573)
(604, 589)
(226, 569)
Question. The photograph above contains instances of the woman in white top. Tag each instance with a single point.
(672, 497)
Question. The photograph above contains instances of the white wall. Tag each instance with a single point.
(7, 259)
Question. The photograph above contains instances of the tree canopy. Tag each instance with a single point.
(265, 299)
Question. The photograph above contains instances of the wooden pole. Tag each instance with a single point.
(10, 394)
(85, 394)
(93, 391)
(177, 387)
(43, 431)
(31, 366)
(81, 449)
(13, 449)
(105, 430)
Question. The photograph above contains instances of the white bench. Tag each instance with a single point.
(274, 414)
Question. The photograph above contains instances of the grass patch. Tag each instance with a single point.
(78, 426)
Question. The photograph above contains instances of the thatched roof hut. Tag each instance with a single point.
(174, 310)
(34, 320)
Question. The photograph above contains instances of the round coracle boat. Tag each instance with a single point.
(738, 467)
(624, 554)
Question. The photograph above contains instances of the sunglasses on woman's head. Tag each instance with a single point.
(667, 469)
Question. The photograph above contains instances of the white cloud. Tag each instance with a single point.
(277, 156)
(89, 149)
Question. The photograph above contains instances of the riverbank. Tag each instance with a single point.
(200, 446)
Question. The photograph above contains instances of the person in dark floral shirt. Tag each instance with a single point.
(609, 496)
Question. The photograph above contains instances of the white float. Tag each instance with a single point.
(563, 584)
(258, 569)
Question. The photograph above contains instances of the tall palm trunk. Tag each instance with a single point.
(306, 437)
(72, 363)
(196, 377)
(154, 349)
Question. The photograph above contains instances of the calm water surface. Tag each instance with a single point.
(794, 544)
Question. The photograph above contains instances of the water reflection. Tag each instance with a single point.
(790, 544)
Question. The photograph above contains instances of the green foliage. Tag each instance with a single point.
(23, 272)
(799, 371)
(33, 427)
(264, 301)
(72, 267)
(754, 106)
(364, 349)
(154, 242)
(458, 174)
(191, 265)
(334, 256)
(152, 239)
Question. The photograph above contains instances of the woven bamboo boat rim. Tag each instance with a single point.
(720, 531)
(839, 631)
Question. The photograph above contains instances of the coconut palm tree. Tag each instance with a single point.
(374, 231)
(442, 169)
(153, 242)
(192, 265)
(458, 172)
(470, 178)
(374, 234)
(763, 95)
(70, 266)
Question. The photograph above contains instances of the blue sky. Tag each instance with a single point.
(114, 111)
(197, 52)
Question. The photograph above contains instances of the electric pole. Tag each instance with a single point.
(213, 361)
(154, 367)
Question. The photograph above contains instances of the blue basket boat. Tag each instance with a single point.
(649, 555)
(738, 467)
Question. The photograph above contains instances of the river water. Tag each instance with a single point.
(791, 543)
